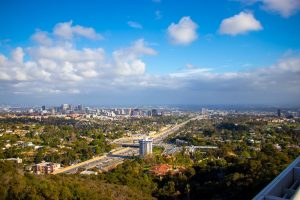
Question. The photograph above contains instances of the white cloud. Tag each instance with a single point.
(66, 30)
(133, 24)
(284, 75)
(61, 53)
(52, 68)
(193, 67)
(61, 64)
(18, 55)
(57, 68)
(55, 65)
(285, 8)
(42, 38)
(184, 32)
(190, 66)
(68, 64)
(126, 73)
(89, 73)
(240, 24)
(127, 60)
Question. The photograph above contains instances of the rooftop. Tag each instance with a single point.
(285, 186)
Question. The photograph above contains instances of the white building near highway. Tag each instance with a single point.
(145, 146)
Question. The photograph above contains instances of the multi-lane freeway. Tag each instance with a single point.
(103, 163)
(117, 156)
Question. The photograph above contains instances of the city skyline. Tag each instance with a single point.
(115, 53)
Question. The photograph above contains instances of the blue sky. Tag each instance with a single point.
(197, 49)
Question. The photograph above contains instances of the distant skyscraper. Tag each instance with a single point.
(154, 112)
(145, 146)
(64, 107)
(135, 112)
(129, 111)
(43, 108)
(71, 108)
(52, 111)
(278, 112)
(123, 111)
(80, 108)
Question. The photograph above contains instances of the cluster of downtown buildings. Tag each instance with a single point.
(92, 112)
(98, 112)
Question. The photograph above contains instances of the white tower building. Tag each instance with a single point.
(145, 146)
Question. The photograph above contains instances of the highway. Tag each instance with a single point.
(94, 161)
(117, 156)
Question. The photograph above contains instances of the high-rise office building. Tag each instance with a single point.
(52, 111)
(64, 107)
(278, 113)
(123, 111)
(80, 108)
(154, 112)
(145, 146)
(135, 112)
(43, 108)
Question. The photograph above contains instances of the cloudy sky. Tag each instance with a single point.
(150, 52)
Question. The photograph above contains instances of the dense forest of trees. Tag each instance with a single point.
(15, 184)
